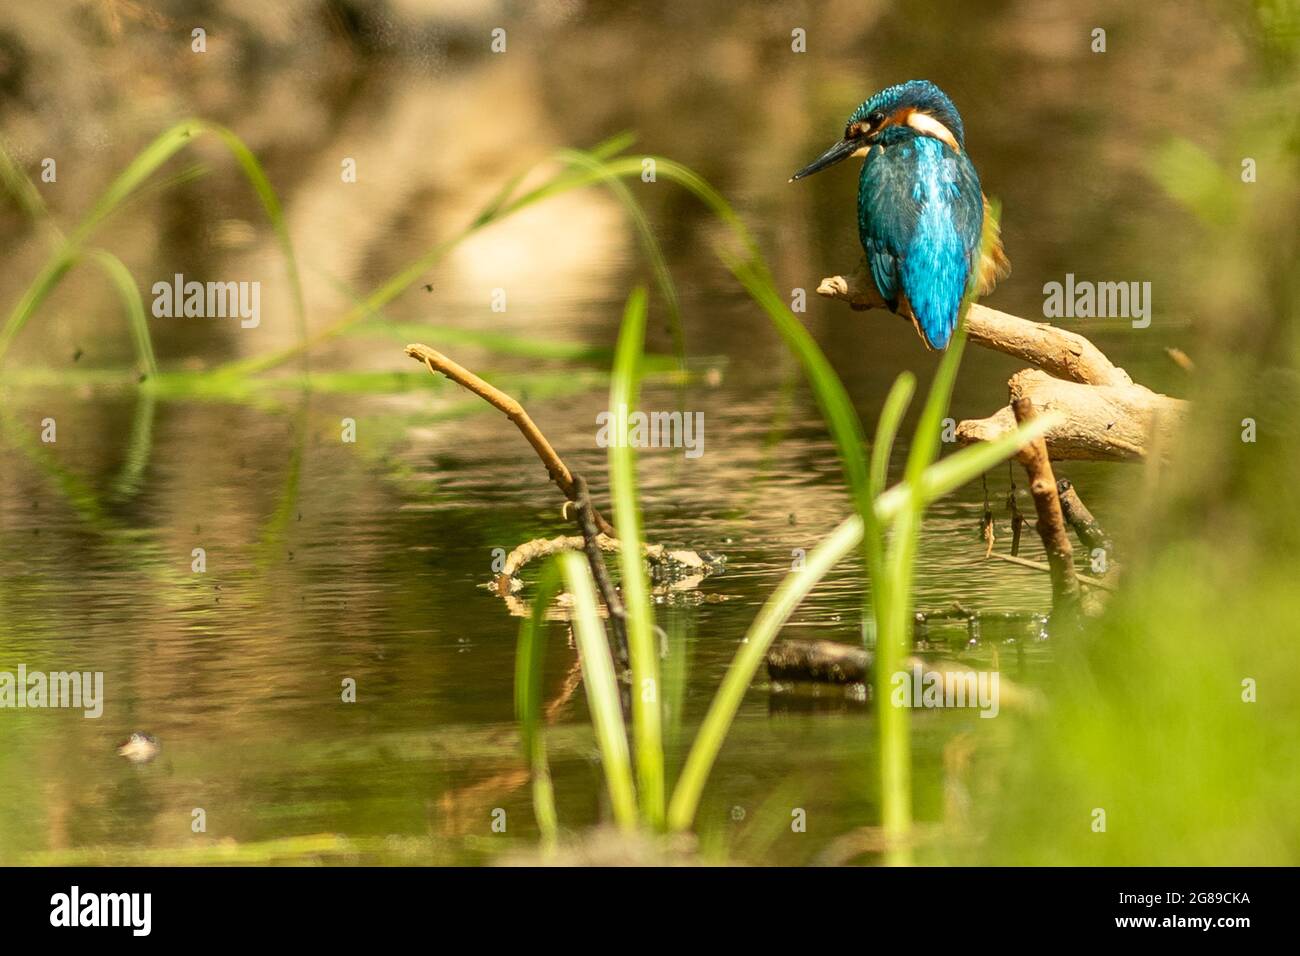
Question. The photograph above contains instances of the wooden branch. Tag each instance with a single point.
(1062, 353)
(1101, 422)
(1051, 523)
(555, 466)
(1107, 416)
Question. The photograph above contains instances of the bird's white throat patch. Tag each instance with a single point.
(927, 125)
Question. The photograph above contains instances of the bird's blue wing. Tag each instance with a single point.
(920, 215)
(887, 217)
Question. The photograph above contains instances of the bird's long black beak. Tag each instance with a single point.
(837, 153)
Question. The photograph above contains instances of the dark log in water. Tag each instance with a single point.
(825, 662)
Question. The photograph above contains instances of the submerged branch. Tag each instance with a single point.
(597, 534)
(671, 564)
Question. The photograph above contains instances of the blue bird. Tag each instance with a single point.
(921, 212)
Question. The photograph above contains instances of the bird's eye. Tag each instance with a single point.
(876, 118)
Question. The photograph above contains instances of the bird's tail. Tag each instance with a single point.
(935, 338)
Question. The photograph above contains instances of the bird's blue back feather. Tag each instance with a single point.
(920, 212)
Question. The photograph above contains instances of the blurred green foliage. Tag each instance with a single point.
(1179, 714)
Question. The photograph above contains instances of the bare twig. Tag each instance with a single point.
(1017, 519)
(555, 466)
(1040, 566)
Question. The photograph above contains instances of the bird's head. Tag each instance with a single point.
(917, 105)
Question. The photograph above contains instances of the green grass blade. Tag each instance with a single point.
(607, 149)
(599, 153)
(139, 448)
(124, 283)
(726, 702)
(832, 398)
(46, 281)
(602, 689)
(271, 540)
(146, 162)
(647, 731)
(266, 195)
(940, 479)
(494, 206)
(412, 273)
(20, 186)
(649, 244)
(500, 343)
(191, 173)
(705, 193)
(892, 608)
(528, 701)
(885, 585)
(836, 406)
(124, 188)
(926, 439)
(891, 416)
(968, 464)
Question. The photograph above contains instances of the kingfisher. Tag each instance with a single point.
(922, 216)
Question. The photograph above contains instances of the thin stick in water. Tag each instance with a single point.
(559, 472)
